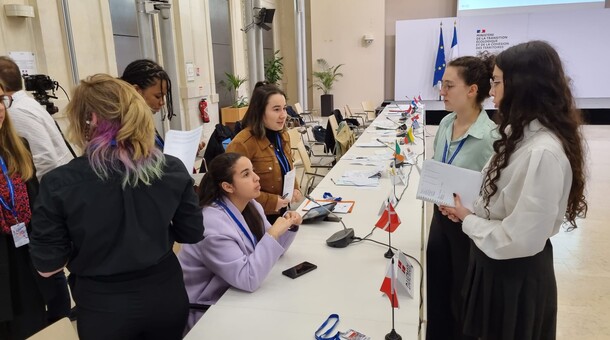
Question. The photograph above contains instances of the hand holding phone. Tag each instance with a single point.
(300, 269)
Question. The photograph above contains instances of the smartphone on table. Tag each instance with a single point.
(300, 269)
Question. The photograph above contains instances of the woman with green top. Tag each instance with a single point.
(464, 139)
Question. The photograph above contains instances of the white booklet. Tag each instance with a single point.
(438, 182)
(183, 145)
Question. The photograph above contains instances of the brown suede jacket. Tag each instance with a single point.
(266, 166)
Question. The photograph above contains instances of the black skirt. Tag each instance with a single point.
(511, 299)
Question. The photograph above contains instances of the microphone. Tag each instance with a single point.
(400, 126)
(341, 238)
(397, 164)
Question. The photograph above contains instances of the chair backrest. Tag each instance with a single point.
(61, 329)
(302, 151)
(295, 139)
(348, 112)
(334, 125)
(368, 106)
(298, 108)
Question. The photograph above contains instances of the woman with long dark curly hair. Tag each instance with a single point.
(535, 181)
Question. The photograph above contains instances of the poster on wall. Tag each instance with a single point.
(492, 34)
(25, 60)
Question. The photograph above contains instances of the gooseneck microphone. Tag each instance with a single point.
(400, 126)
(341, 238)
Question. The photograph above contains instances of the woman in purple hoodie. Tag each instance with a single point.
(240, 246)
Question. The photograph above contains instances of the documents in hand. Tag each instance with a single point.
(438, 182)
(183, 145)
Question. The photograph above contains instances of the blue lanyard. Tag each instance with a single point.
(459, 147)
(11, 190)
(281, 157)
(243, 230)
(326, 335)
(159, 142)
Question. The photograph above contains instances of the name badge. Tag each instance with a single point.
(20, 234)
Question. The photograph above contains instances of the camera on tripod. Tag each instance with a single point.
(40, 84)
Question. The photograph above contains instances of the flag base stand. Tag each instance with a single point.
(393, 335)
(389, 254)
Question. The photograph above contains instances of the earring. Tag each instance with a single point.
(87, 128)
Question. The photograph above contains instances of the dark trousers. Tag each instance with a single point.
(447, 256)
(150, 304)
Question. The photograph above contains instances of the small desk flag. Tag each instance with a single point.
(410, 138)
(388, 286)
(397, 153)
(389, 220)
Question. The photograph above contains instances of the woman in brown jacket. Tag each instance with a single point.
(265, 142)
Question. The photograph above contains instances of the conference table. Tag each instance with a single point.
(347, 280)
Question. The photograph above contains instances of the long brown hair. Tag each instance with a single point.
(16, 156)
(536, 87)
(256, 109)
(222, 169)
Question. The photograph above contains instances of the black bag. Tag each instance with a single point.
(319, 133)
(293, 114)
(215, 147)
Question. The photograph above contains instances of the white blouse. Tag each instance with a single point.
(531, 200)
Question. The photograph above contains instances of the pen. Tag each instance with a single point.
(284, 196)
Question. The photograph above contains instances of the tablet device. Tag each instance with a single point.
(318, 213)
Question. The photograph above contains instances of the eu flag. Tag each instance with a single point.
(439, 66)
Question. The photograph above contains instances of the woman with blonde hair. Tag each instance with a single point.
(112, 216)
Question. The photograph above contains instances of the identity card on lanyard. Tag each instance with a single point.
(19, 231)
(289, 179)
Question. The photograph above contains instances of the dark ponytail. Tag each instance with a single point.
(221, 169)
(476, 71)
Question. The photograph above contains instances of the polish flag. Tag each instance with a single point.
(388, 286)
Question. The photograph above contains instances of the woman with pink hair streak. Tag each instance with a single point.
(112, 215)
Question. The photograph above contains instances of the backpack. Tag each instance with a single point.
(318, 133)
(215, 145)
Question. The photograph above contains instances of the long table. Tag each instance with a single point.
(347, 280)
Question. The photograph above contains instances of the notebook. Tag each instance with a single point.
(438, 182)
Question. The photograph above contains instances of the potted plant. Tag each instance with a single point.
(274, 69)
(236, 111)
(324, 81)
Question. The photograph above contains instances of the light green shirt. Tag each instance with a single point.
(477, 148)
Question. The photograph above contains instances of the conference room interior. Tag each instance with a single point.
(208, 41)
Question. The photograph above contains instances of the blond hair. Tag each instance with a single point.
(113, 124)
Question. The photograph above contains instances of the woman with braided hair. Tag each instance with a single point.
(153, 83)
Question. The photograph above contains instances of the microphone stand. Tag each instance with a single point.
(341, 238)
(392, 335)
(389, 254)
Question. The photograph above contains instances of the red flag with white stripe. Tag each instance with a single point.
(389, 220)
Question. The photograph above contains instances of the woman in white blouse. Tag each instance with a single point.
(534, 181)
